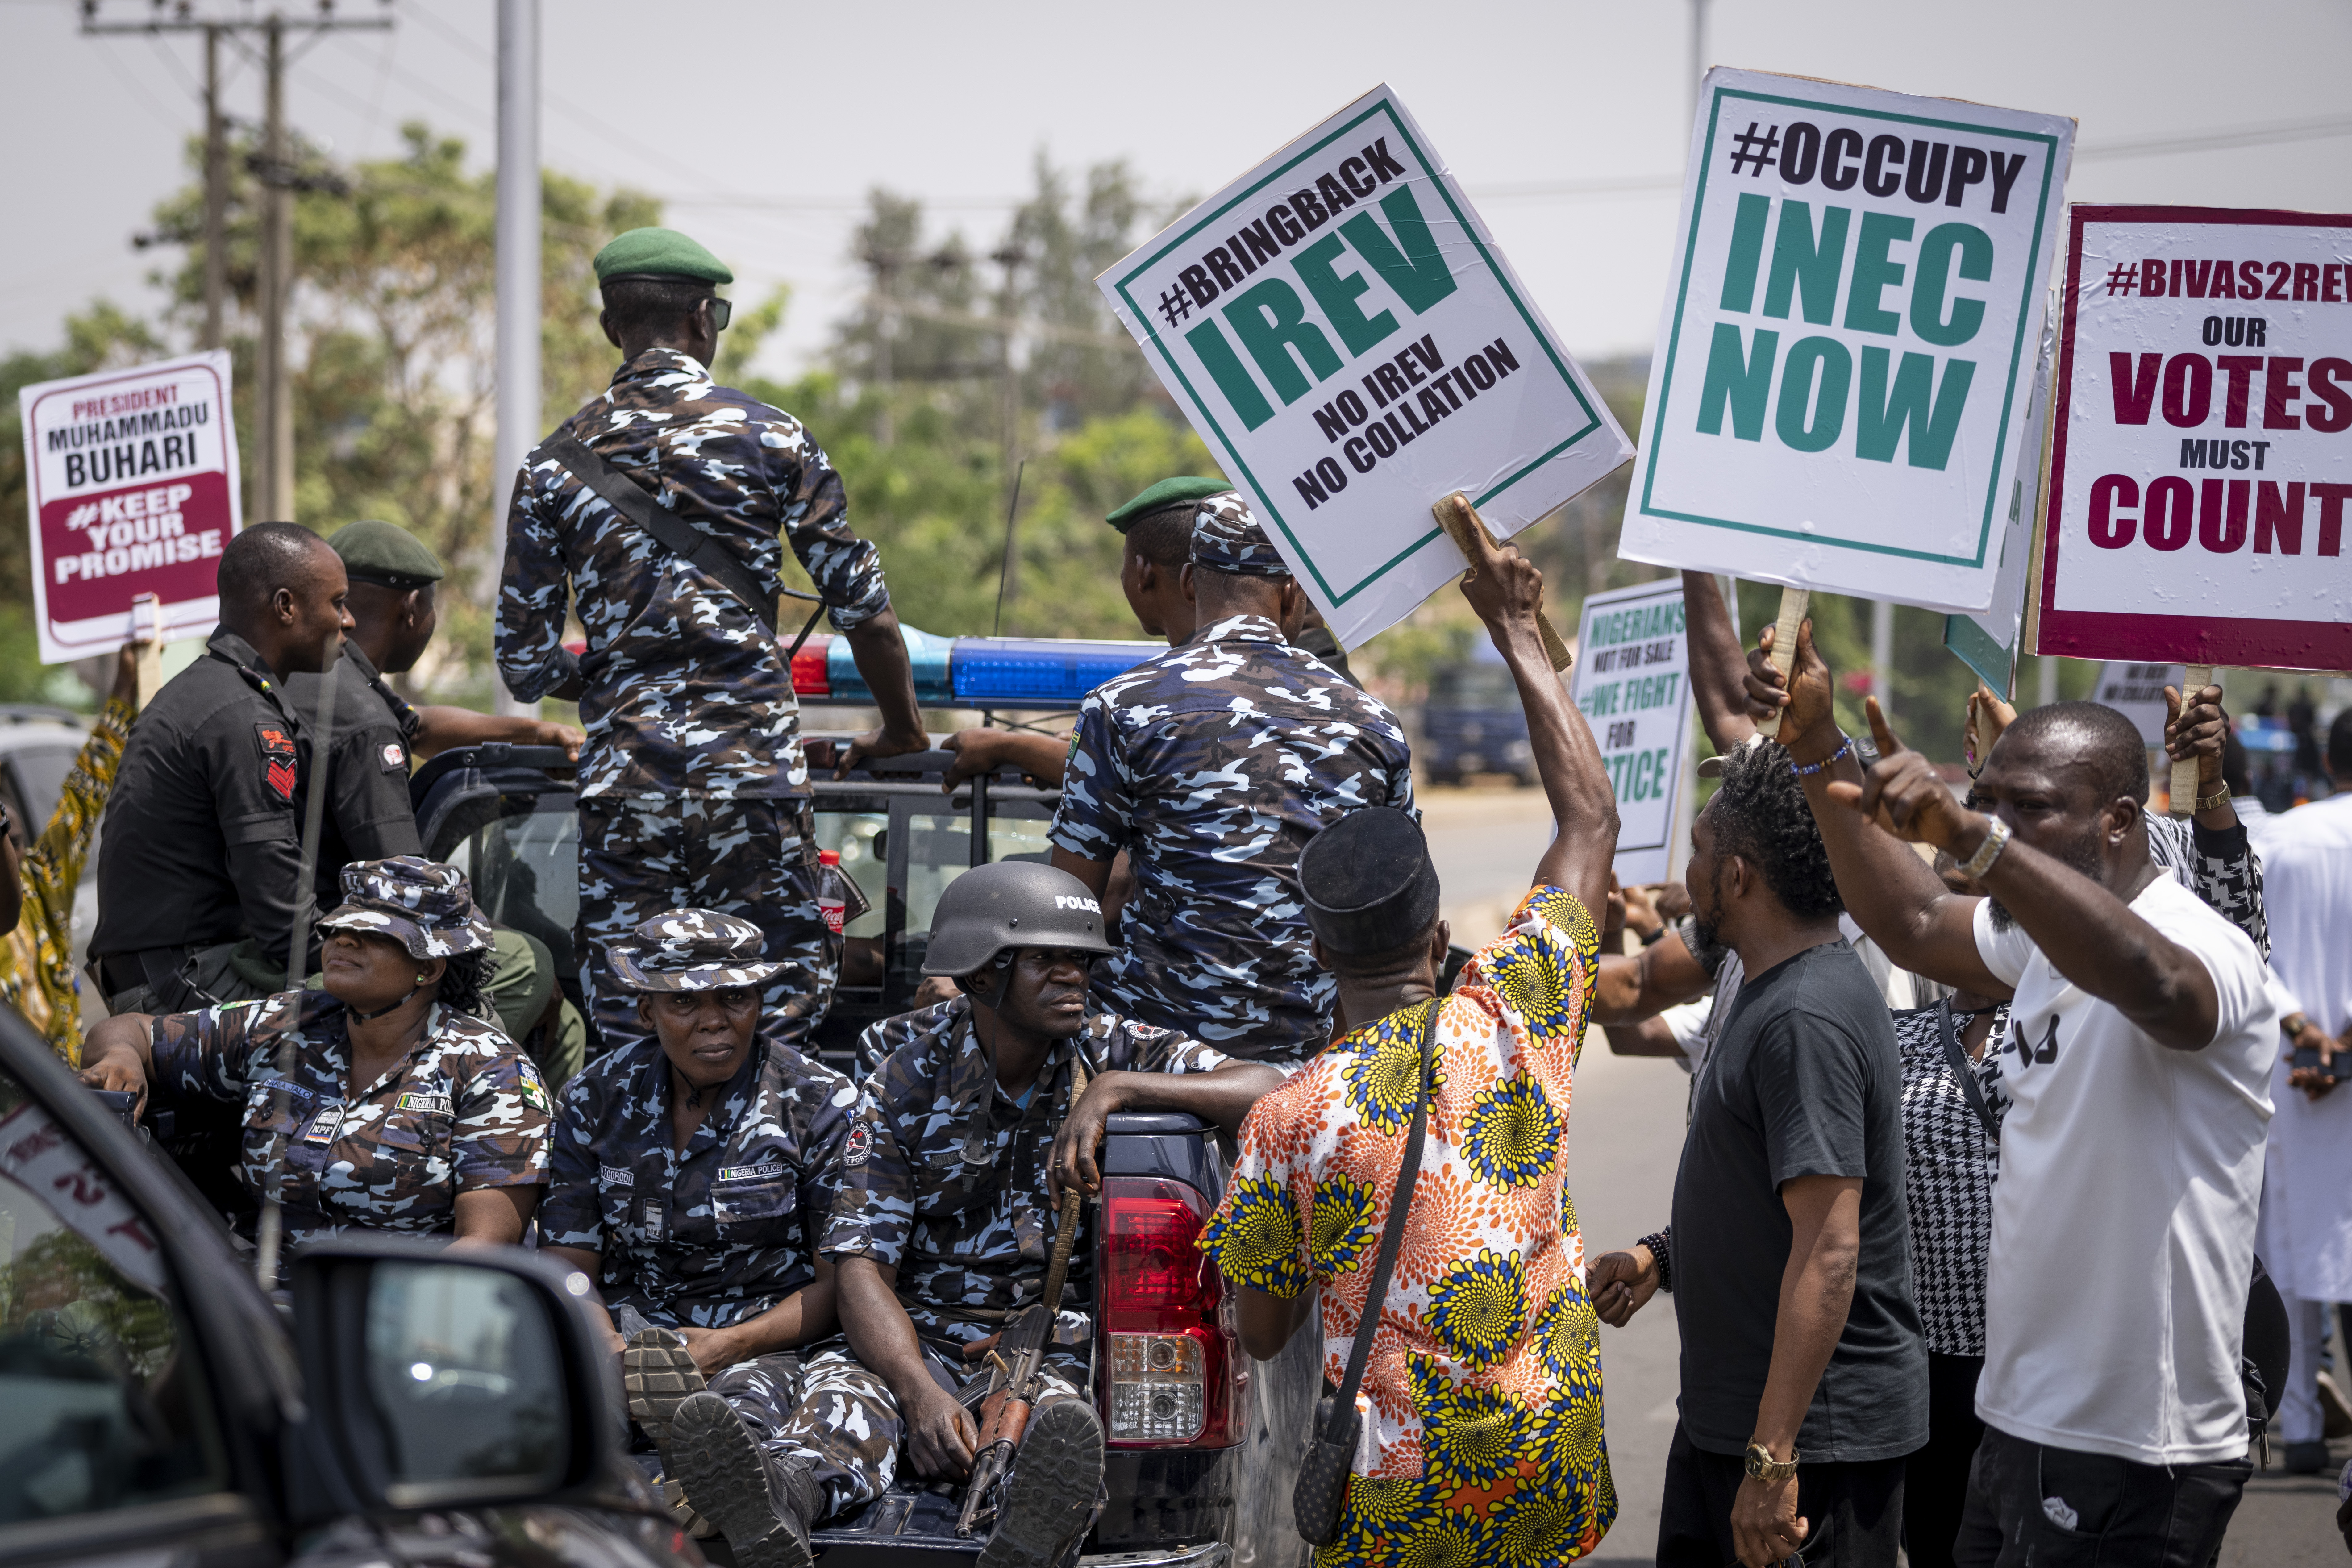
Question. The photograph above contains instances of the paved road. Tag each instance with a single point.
(1625, 1133)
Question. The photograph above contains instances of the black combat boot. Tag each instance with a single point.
(764, 1508)
(1057, 1480)
(658, 1371)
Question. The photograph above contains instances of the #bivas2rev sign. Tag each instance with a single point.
(132, 486)
(1847, 350)
(1340, 329)
(2199, 480)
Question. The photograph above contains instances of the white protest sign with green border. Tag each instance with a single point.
(1632, 677)
(1341, 329)
(1839, 396)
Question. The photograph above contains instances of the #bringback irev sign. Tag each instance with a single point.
(1847, 350)
(133, 484)
(1340, 329)
(2203, 457)
(1632, 677)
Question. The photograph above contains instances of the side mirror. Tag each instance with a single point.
(449, 1378)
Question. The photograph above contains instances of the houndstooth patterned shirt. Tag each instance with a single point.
(1949, 1166)
(2219, 867)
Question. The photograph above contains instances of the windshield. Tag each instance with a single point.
(1474, 686)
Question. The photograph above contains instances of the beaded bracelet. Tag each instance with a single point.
(1804, 770)
(1661, 1246)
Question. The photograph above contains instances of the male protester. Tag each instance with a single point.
(1212, 765)
(2131, 1157)
(199, 866)
(2307, 1228)
(1485, 1439)
(693, 786)
(378, 734)
(693, 1170)
(945, 1219)
(1804, 1376)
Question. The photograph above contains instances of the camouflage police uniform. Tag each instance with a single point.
(723, 1229)
(1211, 764)
(946, 1185)
(464, 1110)
(693, 788)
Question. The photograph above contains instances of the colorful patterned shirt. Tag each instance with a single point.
(685, 691)
(464, 1108)
(722, 1229)
(36, 970)
(1485, 1380)
(1211, 764)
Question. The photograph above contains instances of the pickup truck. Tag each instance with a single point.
(1198, 1475)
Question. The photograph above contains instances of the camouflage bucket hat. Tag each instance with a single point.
(422, 904)
(693, 950)
(1227, 537)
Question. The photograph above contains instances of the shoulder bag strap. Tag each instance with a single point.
(1400, 1205)
(1964, 1070)
(674, 532)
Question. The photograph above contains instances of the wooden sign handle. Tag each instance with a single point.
(1458, 516)
(2194, 678)
(149, 660)
(1794, 603)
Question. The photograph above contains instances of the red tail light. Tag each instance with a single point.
(1172, 1369)
(809, 677)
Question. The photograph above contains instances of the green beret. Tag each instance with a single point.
(659, 253)
(385, 553)
(1166, 493)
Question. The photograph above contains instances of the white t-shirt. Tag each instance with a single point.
(2123, 1226)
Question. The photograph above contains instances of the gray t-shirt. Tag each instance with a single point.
(1804, 1081)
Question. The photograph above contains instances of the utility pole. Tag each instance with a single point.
(276, 405)
(215, 191)
(1698, 52)
(1009, 257)
(517, 278)
(884, 265)
(274, 170)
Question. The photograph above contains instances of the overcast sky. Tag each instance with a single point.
(764, 124)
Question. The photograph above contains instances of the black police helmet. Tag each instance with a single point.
(1010, 904)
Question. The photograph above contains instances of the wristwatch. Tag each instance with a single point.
(1763, 1467)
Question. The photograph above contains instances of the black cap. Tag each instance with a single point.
(1369, 883)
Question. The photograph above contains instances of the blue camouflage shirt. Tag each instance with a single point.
(722, 1229)
(1211, 764)
(685, 691)
(946, 1172)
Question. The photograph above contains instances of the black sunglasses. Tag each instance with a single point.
(721, 312)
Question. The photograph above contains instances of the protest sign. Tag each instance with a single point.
(1846, 351)
(2199, 477)
(1988, 640)
(1632, 677)
(2136, 691)
(1340, 329)
(131, 481)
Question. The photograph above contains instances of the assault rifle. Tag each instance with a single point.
(1015, 1386)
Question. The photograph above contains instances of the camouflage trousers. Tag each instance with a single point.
(848, 1425)
(641, 855)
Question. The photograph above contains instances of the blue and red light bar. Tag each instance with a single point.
(973, 672)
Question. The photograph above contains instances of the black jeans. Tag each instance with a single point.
(2106, 1509)
(1935, 1478)
(1855, 1510)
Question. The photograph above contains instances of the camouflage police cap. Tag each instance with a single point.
(422, 904)
(692, 950)
(1226, 538)
(1166, 493)
(385, 553)
(659, 253)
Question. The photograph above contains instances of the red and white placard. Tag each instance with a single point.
(133, 483)
(2199, 475)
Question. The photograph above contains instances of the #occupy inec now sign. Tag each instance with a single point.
(2200, 468)
(1847, 350)
(1340, 329)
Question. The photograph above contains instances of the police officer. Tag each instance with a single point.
(695, 1169)
(945, 1219)
(1212, 765)
(378, 734)
(693, 787)
(199, 868)
(404, 1110)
